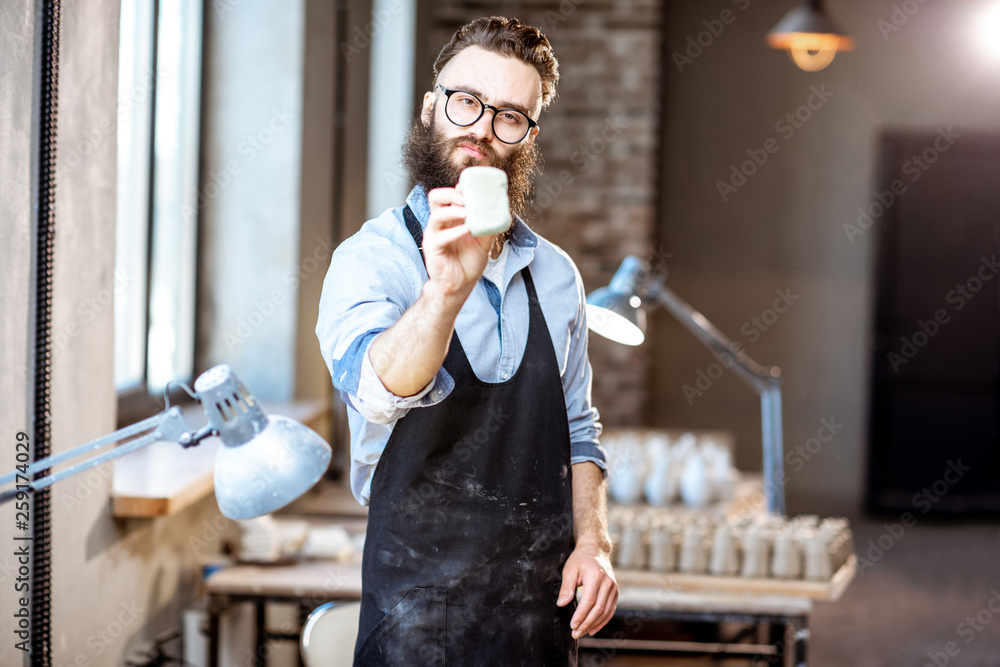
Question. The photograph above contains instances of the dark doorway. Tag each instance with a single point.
(933, 439)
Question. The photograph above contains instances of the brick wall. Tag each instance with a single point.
(596, 195)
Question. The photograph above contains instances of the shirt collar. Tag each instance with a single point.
(521, 236)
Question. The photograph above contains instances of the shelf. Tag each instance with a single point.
(164, 478)
(793, 588)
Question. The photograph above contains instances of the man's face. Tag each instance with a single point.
(497, 80)
(437, 150)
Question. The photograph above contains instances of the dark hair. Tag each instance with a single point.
(507, 37)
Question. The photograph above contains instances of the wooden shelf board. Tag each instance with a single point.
(816, 590)
(306, 579)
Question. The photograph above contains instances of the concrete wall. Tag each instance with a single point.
(392, 67)
(116, 582)
(17, 51)
(251, 171)
(783, 228)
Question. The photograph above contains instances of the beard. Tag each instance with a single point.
(427, 157)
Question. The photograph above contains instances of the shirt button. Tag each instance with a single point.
(504, 375)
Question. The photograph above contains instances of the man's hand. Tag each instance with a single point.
(589, 567)
(590, 563)
(455, 258)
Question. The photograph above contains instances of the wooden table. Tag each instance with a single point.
(644, 597)
(307, 584)
(783, 605)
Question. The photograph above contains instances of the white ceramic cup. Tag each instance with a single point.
(487, 209)
(755, 554)
(693, 558)
(662, 554)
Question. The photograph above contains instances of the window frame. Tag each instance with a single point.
(138, 399)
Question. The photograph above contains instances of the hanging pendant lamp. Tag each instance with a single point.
(809, 36)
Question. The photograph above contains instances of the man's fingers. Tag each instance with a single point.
(443, 237)
(591, 605)
(599, 615)
(568, 588)
(447, 208)
(445, 217)
(612, 606)
(588, 597)
(444, 197)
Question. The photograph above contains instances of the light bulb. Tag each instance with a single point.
(812, 52)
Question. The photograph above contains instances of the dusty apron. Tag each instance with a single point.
(471, 520)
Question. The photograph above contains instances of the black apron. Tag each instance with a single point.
(471, 520)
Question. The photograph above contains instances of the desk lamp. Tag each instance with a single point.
(265, 462)
(616, 312)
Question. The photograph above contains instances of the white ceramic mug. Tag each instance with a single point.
(487, 209)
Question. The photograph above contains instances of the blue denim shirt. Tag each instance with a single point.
(378, 273)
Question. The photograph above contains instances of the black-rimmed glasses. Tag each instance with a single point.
(463, 108)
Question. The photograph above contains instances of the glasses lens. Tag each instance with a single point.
(510, 126)
(463, 108)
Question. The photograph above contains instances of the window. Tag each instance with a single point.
(159, 98)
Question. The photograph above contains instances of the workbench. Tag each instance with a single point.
(647, 598)
(644, 598)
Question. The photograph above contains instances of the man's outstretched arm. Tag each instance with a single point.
(408, 355)
(590, 563)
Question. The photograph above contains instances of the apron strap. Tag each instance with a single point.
(413, 226)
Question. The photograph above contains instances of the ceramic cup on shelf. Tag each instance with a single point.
(786, 562)
(632, 552)
(662, 556)
(693, 558)
(625, 475)
(661, 483)
(724, 560)
(817, 558)
(722, 476)
(756, 550)
(694, 480)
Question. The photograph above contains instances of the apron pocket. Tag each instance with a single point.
(411, 633)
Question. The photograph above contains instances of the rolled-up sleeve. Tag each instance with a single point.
(370, 284)
(584, 421)
(378, 404)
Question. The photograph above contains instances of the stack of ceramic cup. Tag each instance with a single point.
(693, 542)
(646, 465)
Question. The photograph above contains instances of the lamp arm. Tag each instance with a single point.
(759, 377)
(168, 425)
(766, 381)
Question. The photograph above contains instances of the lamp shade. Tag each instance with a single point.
(811, 38)
(615, 311)
(274, 468)
(265, 462)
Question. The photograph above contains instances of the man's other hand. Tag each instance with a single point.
(589, 567)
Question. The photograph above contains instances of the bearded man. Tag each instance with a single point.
(463, 362)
